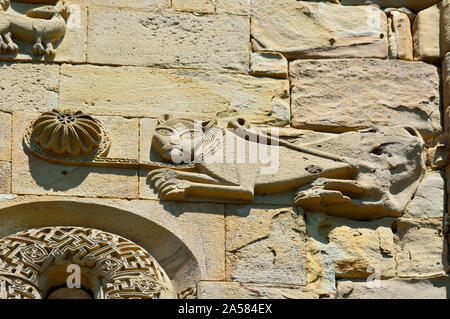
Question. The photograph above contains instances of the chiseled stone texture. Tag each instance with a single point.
(445, 26)
(426, 35)
(265, 244)
(128, 37)
(434, 288)
(5, 177)
(421, 248)
(446, 81)
(31, 175)
(266, 63)
(238, 7)
(138, 4)
(5, 136)
(399, 36)
(238, 290)
(344, 248)
(30, 87)
(429, 200)
(301, 29)
(144, 92)
(415, 5)
(200, 6)
(348, 94)
(71, 48)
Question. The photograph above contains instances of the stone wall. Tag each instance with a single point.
(313, 69)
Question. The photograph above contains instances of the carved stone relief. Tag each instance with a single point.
(363, 174)
(42, 26)
(34, 261)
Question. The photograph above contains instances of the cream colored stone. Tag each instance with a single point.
(270, 64)
(300, 29)
(30, 87)
(32, 175)
(139, 92)
(426, 35)
(239, 7)
(168, 40)
(421, 251)
(70, 48)
(415, 5)
(434, 288)
(399, 36)
(429, 200)
(238, 290)
(343, 95)
(445, 26)
(187, 239)
(200, 6)
(5, 136)
(138, 4)
(265, 244)
(344, 248)
(5, 177)
(446, 81)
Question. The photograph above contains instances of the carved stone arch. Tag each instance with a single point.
(112, 267)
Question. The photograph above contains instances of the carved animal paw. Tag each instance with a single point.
(38, 49)
(168, 183)
(13, 48)
(4, 3)
(324, 191)
(3, 48)
(50, 53)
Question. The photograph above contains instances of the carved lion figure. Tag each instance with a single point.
(362, 174)
(43, 25)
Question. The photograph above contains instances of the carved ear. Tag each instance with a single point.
(163, 118)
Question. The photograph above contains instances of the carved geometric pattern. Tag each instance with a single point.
(117, 268)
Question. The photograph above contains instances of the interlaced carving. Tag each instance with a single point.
(116, 267)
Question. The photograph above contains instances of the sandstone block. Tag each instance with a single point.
(200, 6)
(238, 290)
(168, 40)
(71, 48)
(5, 136)
(421, 251)
(32, 175)
(429, 200)
(138, 4)
(30, 87)
(446, 81)
(139, 92)
(5, 177)
(415, 5)
(271, 64)
(435, 288)
(445, 26)
(265, 244)
(426, 35)
(344, 248)
(399, 36)
(300, 29)
(344, 95)
(239, 7)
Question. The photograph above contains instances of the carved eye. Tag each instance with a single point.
(164, 131)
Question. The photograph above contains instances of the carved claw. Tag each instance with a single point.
(50, 52)
(13, 48)
(168, 183)
(158, 176)
(38, 49)
(3, 47)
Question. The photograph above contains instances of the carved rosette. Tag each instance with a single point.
(63, 135)
(114, 267)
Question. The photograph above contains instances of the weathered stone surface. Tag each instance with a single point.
(138, 4)
(187, 239)
(237, 290)
(130, 91)
(71, 48)
(343, 95)
(445, 26)
(426, 35)
(265, 244)
(446, 81)
(343, 248)
(421, 250)
(30, 87)
(112, 39)
(5, 177)
(32, 175)
(399, 36)
(200, 6)
(301, 29)
(268, 63)
(434, 288)
(5, 136)
(239, 7)
(415, 5)
(429, 200)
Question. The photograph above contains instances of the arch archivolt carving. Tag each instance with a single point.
(34, 261)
